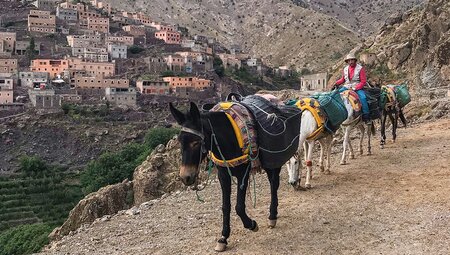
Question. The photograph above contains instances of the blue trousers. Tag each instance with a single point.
(363, 100)
(364, 104)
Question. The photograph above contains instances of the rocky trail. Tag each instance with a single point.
(393, 202)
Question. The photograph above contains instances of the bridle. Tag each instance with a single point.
(202, 148)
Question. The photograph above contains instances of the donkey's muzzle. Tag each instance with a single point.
(188, 175)
(188, 180)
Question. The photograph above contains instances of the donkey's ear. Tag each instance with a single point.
(179, 116)
(195, 113)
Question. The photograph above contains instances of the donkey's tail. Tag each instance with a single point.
(402, 117)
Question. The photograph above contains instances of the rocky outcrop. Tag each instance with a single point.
(416, 46)
(158, 173)
(108, 200)
(399, 54)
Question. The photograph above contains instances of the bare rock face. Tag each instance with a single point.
(399, 55)
(108, 200)
(158, 173)
(417, 47)
(393, 19)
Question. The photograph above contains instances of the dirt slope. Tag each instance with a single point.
(394, 202)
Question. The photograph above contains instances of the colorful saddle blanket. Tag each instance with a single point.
(243, 125)
(354, 100)
(313, 106)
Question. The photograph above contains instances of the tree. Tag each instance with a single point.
(218, 66)
(32, 165)
(31, 52)
(134, 49)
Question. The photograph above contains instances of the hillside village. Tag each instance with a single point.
(55, 53)
(84, 92)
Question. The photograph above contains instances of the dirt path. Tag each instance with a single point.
(396, 201)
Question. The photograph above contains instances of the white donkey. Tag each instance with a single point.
(307, 128)
(354, 121)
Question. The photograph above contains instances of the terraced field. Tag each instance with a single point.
(46, 199)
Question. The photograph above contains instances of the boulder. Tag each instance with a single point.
(106, 201)
(158, 173)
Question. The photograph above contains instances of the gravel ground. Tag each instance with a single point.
(393, 202)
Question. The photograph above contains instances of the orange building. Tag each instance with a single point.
(8, 65)
(41, 21)
(169, 37)
(188, 82)
(53, 66)
(98, 24)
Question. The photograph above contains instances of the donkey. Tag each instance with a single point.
(392, 109)
(308, 127)
(212, 131)
(354, 121)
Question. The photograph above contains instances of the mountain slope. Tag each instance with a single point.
(362, 16)
(280, 32)
(417, 46)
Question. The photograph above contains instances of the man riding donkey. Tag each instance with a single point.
(354, 78)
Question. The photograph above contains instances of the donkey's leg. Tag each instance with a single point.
(345, 144)
(322, 153)
(383, 129)
(240, 201)
(350, 149)
(225, 184)
(362, 130)
(369, 135)
(402, 117)
(328, 144)
(394, 125)
(309, 163)
(274, 180)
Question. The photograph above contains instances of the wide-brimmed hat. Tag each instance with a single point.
(350, 56)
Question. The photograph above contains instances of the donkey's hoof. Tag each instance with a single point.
(369, 153)
(220, 247)
(255, 227)
(322, 168)
(327, 172)
(343, 163)
(272, 223)
(352, 156)
(300, 188)
(308, 185)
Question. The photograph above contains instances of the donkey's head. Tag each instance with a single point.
(293, 170)
(192, 140)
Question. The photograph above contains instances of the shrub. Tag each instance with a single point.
(134, 49)
(25, 239)
(157, 136)
(32, 165)
(112, 168)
